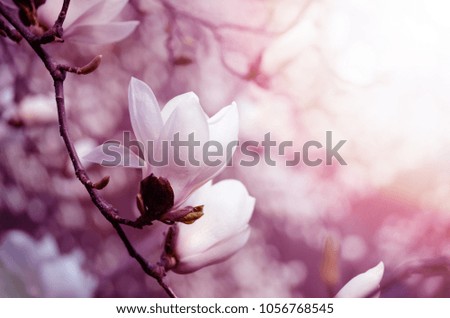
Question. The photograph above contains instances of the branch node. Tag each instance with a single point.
(8, 32)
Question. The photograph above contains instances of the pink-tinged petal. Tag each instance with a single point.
(224, 125)
(363, 284)
(183, 100)
(203, 192)
(216, 254)
(83, 147)
(100, 33)
(48, 13)
(114, 155)
(227, 210)
(145, 113)
(100, 12)
(224, 130)
(186, 119)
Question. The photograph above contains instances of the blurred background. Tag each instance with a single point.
(374, 73)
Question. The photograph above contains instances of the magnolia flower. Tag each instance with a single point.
(37, 269)
(220, 233)
(363, 284)
(89, 21)
(181, 118)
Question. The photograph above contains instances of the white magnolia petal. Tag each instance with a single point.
(183, 100)
(83, 147)
(100, 12)
(100, 33)
(227, 210)
(112, 154)
(224, 125)
(145, 113)
(363, 284)
(223, 134)
(48, 12)
(186, 119)
(216, 254)
(202, 192)
(188, 187)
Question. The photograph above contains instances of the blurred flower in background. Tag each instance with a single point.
(30, 268)
(375, 74)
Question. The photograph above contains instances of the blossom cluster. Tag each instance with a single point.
(222, 227)
(176, 193)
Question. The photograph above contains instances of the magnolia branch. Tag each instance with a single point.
(8, 32)
(58, 73)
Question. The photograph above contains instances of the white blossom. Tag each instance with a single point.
(89, 21)
(222, 230)
(181, 116)
(37, 269)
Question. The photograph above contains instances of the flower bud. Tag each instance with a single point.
(155, 198)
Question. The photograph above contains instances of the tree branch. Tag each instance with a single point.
(8, 32)
(55, 33)
(58, 74)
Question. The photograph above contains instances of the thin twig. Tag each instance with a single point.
(56, 31)
(58, 74)
(10, 33)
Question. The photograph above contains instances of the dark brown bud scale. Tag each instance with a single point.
(157, 196)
